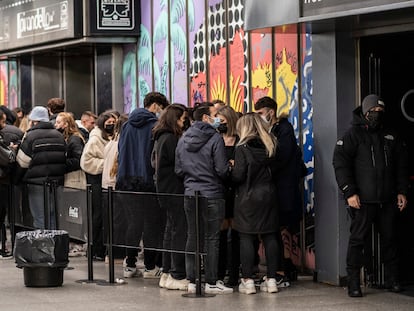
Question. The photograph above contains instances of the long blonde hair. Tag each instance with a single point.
(250, 126)
(72, 128)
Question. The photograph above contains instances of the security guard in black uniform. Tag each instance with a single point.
(371, 168)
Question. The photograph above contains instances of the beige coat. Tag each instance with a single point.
(92, 159)
(110, 159)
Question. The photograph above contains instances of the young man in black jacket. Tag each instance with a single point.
(371, 166)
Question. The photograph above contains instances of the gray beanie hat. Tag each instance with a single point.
(370, 102)
(39, 113)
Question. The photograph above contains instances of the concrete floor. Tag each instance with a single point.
(140, 294)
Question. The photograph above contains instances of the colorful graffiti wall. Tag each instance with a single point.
(198, 50)
(9, 95)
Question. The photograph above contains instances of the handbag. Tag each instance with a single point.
(7, 155)
(75, 179)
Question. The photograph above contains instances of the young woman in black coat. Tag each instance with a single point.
(166, 132)
(255, 211)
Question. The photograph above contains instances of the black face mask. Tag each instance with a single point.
(109, 128)
(222, 128)
(375, 119)
(61, 130)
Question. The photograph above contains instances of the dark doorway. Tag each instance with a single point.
(387, 68)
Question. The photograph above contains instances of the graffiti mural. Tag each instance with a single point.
(217, 48)
(13, 85)
(261, 65)
(160, 51)
(129, 78)
(198, 50)
(178, 49)
(144, 56)
(198, 61)
(4, 84)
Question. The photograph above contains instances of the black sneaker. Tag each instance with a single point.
(282, 281)
(5, 255)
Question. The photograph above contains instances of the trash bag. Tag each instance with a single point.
(42, 248)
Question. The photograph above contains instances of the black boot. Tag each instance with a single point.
(354, 283)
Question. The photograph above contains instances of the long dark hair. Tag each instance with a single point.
(168, 120)
(100, 122)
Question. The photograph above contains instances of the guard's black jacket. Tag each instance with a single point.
(372, 163)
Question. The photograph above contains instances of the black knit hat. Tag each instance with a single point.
(370, 102)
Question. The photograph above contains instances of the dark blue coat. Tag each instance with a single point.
(135, 172)
(201, 161)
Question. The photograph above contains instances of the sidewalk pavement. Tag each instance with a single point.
(140, 294)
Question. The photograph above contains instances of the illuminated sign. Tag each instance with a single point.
(33, 22)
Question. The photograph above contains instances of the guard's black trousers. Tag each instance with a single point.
(384, 217)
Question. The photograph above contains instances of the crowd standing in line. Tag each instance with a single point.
(142, 153)
(246, 168)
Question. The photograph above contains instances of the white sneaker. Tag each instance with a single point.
(172, 283)
(152, 274)
(247, 287)
(191, 288)
(268, 285)
(131, 272)
(218, 288)
(163, 280)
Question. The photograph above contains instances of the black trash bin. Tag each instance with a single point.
(43, 256)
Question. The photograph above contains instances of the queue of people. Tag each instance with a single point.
(246, 168)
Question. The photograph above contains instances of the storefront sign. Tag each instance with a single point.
(114, 17)
(320, 7)
(33, 22)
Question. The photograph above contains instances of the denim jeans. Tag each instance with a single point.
(211, 213)
(37, 207)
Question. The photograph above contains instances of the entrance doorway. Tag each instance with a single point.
(387, 68)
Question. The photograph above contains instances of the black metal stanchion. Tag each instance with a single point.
(89, 239)
(12, 215)
(46, 209)
(110, 244)
(199, 293)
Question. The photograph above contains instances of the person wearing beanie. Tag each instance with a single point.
(41, 157)
(371, 165)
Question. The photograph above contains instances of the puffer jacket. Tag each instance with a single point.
(372, 163)
(42, 154)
